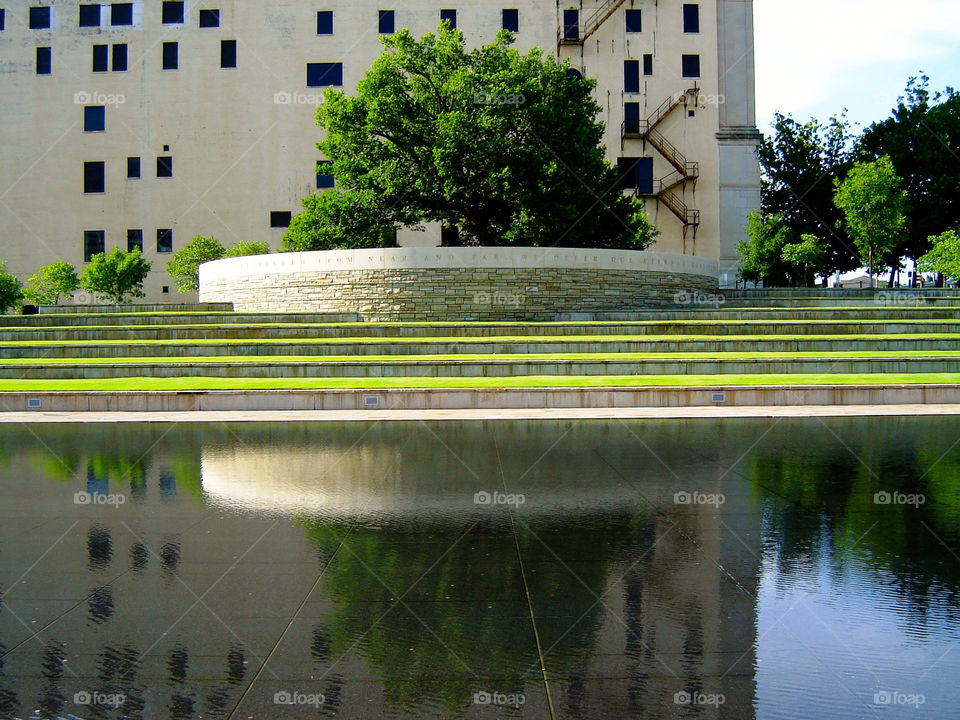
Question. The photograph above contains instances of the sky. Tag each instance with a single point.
(816, 57)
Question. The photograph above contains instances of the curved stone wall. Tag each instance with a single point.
(456, 283)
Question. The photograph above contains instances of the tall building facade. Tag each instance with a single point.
(146, 123)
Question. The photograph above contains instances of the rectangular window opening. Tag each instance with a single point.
(690, 66)
(119, 63)
(510, 19)
(691, 18)
(101, 58)
(93, 243)
(386, 22)
(44, 60)
(209, 18)
(571, 24)
(39, 18)
(171, 56)
(325, 179)
(90, 15)
(172, 12)
(648, 64)
(631, 76)
(165, 240)
(228, 53)
(133, 167)
(121, 14)
(164, 166)
(633, 21)
(450, 16)
(135, 240)
(324, 74)
(280, 218)
(94, 118)
(324, 22)
(93, 177)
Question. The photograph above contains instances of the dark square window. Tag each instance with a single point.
(121, 14)
(135, 240)
(631, 76)
(324, 178)
(94, 118)
(93, 177)
(172, 12)
(39, 18)
(450, 16)
(44, 60)
(324, 74)
(101, 57)
(209, 18)
(3, 18)
(171, 56)
(691, 18)
(633, 21)
(165, 240)
(133, 167)
(636, 174)
(280, 218)
(510, 19)
(119, 58)
(690, 66)
(648, 64)
(387, 22)
(571, 24)
(164, 166)
(93, 242)
(228, 53)
(325, 22)
(90, 15)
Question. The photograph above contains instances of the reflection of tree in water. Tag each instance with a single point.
(475, 631)
(823, 488)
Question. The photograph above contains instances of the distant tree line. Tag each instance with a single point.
(833, 201)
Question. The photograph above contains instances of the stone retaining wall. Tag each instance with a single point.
(457, 283)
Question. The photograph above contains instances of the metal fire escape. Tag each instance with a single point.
(571, 35)
(665, 189)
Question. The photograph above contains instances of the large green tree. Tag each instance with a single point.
(116, 276)
(922, 139)
(184, 265)
(505, 147)
(800, 162)
(874, 207)
(761, 253)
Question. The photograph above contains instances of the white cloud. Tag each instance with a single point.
(807, 52)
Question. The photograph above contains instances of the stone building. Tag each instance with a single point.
(145, 123)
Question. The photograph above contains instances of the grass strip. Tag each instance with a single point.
(535, 381)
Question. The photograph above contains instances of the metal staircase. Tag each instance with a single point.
(591, 24)
(669, 189)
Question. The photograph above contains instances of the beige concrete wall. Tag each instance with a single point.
(243, 139)
(456, 283)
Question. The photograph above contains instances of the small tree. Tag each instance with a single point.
(11, 294)
(944, 257)
(116, 276)
(184, 265)
(805, 257)
(248, 247)
(762, 252)
(336, 219)
(46, 285)
(875, 209)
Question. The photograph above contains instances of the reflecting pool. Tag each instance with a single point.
(792, 568)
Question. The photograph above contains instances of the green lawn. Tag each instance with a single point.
(542, 381)
(483, 357)
(485, 339)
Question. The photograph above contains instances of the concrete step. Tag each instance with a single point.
(295, 332)
(879, 343)
(144, 308)
(480, 368)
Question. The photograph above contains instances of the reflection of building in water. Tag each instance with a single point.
(138, 571)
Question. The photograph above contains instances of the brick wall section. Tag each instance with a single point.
(468, 293)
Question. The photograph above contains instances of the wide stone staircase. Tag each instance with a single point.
(744, 337)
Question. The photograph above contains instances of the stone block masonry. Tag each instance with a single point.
(457, 283)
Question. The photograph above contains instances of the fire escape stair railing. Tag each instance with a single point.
(591, 24)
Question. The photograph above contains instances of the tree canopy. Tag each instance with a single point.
(116, 276)
(505, 147)
(51, 281)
